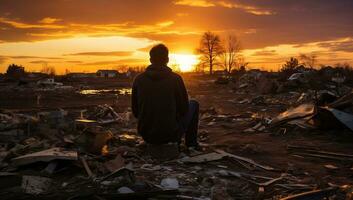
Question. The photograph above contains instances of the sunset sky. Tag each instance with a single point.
(86, 35)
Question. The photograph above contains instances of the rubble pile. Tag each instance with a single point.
(60, 155)
(95, 152)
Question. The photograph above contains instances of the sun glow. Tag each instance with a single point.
(184, 62)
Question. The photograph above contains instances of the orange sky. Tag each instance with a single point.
(86, 35)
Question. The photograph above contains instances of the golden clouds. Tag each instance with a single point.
(49, 20)
(165, 24)
(21, 25)
(226, 4)
(110, 53)
(196, 3)
(80, 29)
(249, 9)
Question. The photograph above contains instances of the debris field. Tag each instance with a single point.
(260, 137)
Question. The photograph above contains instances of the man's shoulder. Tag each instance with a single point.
(176, 75)
(140, 76)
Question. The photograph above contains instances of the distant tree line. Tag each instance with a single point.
(16, 72)
(310, 63)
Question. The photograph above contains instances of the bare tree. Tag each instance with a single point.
(48, 70)
(67, 71)
(241, 63)
(291, 65)
(308, 60)
(231, 52)
(210, 49)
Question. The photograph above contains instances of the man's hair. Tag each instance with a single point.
(159, 54)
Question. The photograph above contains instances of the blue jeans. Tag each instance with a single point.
(189, 124)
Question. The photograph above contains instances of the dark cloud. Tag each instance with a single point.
(41, 62)
(110, 53)
(346, 46)
(133, 61)
(34, 57)
(74, 61)
(291, 21)
(175, 42)
(112, 62)
(116, 62)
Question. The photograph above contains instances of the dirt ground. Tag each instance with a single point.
(264, 147)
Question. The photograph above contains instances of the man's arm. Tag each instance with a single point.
(134, 101)
(182, 98)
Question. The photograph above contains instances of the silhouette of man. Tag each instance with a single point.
(160, 103)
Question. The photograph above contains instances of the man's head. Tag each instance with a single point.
(159, 55)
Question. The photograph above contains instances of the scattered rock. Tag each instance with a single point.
(170, 183)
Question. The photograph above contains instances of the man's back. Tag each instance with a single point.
(159, 100)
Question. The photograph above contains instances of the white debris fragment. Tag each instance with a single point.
(125, 190)
(170, 183)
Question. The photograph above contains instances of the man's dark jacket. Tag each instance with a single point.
(159, 100)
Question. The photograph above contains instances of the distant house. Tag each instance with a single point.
(107, 73)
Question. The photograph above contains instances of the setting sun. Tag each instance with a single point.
(185, 62)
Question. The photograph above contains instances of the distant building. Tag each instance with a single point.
(107, 73)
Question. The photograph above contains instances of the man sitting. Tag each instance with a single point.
(160, 103)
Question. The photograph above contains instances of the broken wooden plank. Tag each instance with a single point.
(251, 178)
(250, 161)
(270, 182)
(45, 156)
(86, 166)
(324, 156)
(313, 195)
(306, 149)
(293, 186)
